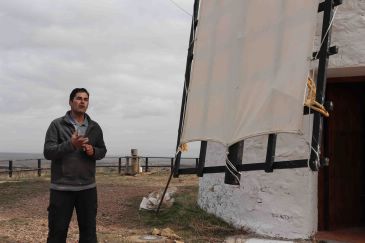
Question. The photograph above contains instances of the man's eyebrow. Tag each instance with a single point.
(80, 97)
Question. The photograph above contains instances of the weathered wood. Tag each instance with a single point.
(39, 167)
(323, 54)
(270, 152)
(127, 167)
(189, 60)
(202, 155)
(235, 157)
(146, 167)
(10, 168)
(119, 165)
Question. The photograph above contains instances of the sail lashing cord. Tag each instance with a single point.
(311, 102)
(232, 169)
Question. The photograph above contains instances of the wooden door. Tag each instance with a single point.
(341, 185)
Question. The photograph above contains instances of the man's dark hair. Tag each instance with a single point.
(78, 90)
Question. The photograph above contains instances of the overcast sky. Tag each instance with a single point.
(129, 54)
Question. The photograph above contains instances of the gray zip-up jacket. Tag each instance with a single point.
(71, 166)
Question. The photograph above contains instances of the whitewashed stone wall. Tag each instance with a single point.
(283, 203)
(279, 204)
(349, 35)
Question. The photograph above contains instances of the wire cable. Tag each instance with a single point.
(182, 9)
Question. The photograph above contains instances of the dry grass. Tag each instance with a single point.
(24, 200)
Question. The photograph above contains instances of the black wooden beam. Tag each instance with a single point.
(321, 6)
(202, 154)
(292, 164)
(270, 152)
(186, 84)
(331, 51)
(235, 153)
(327, 6)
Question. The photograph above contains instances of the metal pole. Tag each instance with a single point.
(10, 168)
(314, 161)
(127, 166)
(202, 154)
(270, 153)
(39, 167)
(175, 168)
(146, 167)
(119, 165)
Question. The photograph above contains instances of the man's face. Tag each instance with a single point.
(79, 103)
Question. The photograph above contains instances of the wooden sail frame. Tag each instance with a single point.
(236, 150)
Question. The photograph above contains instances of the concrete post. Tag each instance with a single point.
(134, 162)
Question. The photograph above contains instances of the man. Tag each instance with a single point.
(73, 142)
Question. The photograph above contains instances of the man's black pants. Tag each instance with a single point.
(61, 206)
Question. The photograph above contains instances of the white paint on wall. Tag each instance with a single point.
(348, 33)
(283, 203)
(280, 204)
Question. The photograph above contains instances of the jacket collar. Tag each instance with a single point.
(68, 114)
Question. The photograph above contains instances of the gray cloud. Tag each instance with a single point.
(129, 54)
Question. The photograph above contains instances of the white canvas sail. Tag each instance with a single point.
(250, 67)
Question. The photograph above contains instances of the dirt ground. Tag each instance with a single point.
(23, 218)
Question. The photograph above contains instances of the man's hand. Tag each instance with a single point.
(78, 141)
(89, 149)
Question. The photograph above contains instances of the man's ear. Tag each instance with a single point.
(69, 102)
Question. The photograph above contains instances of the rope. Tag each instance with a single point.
(311, 102)
(325, 35)
(310, 126)
(235, 171)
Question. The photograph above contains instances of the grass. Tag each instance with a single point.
(124, 193)
(188, 220)
(13, 191)
(5, 239)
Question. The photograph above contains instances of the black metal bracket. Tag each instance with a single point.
(321, 6)
(331, 51)
(324, 162)
(324, 53)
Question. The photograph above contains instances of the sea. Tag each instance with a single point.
(30, 160)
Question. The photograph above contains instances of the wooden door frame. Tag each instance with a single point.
(323, 174)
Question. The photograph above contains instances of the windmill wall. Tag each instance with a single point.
(283, 203)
